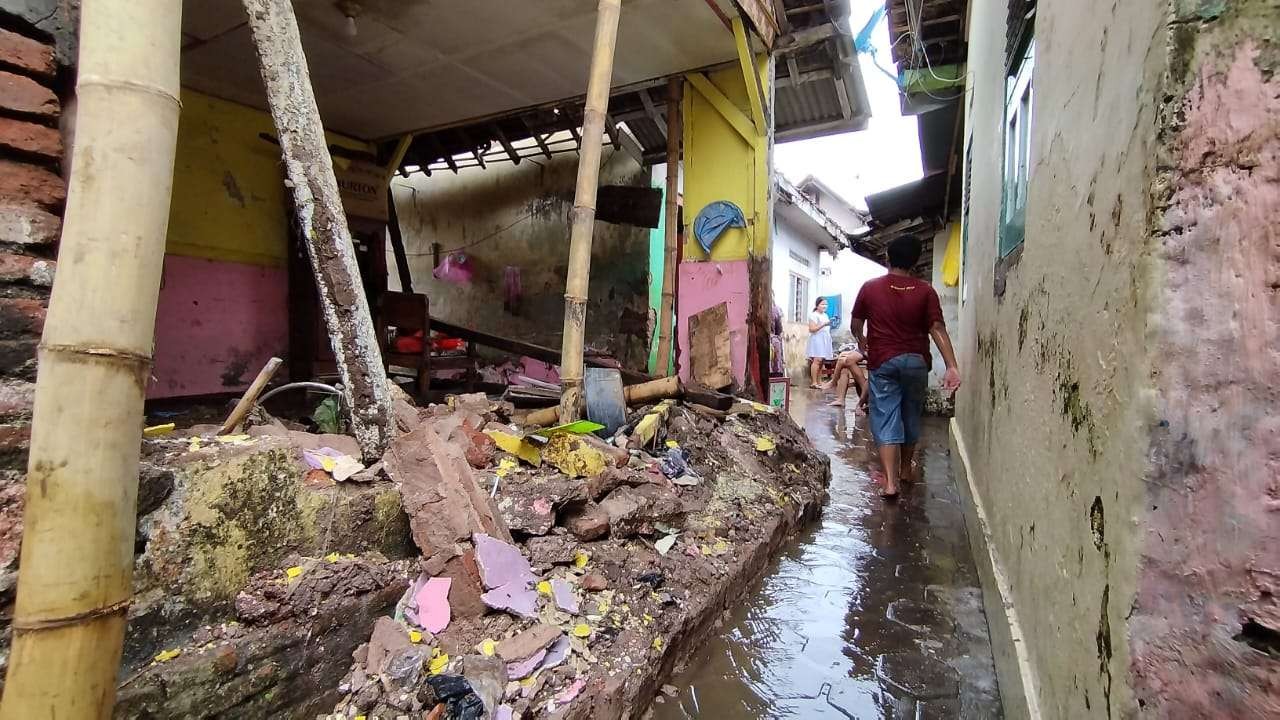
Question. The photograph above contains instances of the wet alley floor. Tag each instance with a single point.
(874, 612)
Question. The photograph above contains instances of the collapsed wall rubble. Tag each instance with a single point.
(478, 570)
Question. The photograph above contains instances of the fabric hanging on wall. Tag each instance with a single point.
(833, 309)
(714, 219)
(456, 268)
(951, 258)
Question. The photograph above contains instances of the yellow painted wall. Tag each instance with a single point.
(228, 189)
(719, 164)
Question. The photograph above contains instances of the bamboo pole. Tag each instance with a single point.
(75, 578)
(250, 396)
(672, 220)
(323, 221)
(584, 209)
(667, 387)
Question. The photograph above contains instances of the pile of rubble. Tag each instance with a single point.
(479, 569)
(565, 574)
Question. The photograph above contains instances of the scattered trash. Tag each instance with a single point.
(431, 605)
(156, 431)
(565, 599)
(291, 573)
(516, 445)
(167, 655)
(568, 694)
(765, 444)
(582, 630)
(675, 465)
(581, 427)
(573, 457)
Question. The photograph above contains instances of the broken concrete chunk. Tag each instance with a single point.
(528, 515)
(594, 582)
(524, 644)
(633, 511)
(587, 521)
(445, 503)
(524, 668)
(488, 678)
(501, 563)
(389, 638)
(551, 550)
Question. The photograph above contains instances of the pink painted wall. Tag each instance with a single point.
(1208, 602)
(706, 284)
(217, 324)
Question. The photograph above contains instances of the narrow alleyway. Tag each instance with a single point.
(875, 612)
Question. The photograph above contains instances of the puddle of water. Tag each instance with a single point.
(817, 637)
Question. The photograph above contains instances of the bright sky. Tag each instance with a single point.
(885, 155)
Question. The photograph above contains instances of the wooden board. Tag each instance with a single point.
(710, 361)
(762, 14)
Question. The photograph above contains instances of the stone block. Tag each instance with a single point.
(16, 398)
(28, 137)
(22, 182)
(27, 225)
(24, 95)
(587, 521)
(27, 54)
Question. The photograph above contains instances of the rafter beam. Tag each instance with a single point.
(730, 112)
(651, 111)
(506, 144)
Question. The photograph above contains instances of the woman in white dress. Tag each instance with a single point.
(819, 348)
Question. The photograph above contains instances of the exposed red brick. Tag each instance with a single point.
(16, 399)
(30, 137)
(26, 54)
(14, 440)
(21, 317)
(24, 95)
(26, 269)
(28, 225)
(12, 497)
(25, 182)
(18, 357)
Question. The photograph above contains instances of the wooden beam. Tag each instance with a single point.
(667, 308)
(750, 75)
(631, 146)
(324, 228)
(471, 143)
(397, 155)
(397, 244)
(506, 144)
(730, 112)
(651, 111)
(542, 145)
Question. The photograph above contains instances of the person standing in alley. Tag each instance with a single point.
(901, 313)
(819, 348)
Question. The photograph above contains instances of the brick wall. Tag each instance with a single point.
(32, 193)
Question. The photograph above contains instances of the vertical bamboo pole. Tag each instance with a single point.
(323, 221)
(584, 209)
(75, 577)
(672, 219)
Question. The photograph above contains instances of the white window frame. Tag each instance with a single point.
(1017, 163)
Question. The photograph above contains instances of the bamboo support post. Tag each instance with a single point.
(75, 578)
(323, 222)
(584, 209)
(671, 220)
(250, 396)
(667, 387)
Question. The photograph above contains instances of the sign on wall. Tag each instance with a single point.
(363, 187)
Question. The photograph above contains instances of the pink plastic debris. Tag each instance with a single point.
(432, 599)
(525, 668)
(314, 458)
(501, 564)
(566, 599)
(513, 597)
(504, 712)
(568, 694)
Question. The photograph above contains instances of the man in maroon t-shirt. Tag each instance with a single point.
(902, 313)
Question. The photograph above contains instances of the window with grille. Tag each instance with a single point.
(1019, 92)
(799, 298)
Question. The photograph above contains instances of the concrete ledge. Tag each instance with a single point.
(1014, 670)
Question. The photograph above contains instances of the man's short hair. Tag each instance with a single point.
(904, 252)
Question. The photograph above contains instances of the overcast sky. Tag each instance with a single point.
(885, 155)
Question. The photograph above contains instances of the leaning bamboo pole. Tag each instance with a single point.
(323, 221)
(584, 209)
(75, 577)
(671, 223)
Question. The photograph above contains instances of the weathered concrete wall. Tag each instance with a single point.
(1055, 410)
(518, 217)
(1205, 628)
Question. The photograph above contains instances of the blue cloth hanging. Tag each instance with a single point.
(714, 219)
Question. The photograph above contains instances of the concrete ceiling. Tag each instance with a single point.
(422, 64)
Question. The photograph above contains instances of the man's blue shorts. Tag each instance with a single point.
(897, 399)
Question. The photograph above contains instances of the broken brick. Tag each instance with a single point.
(31, 138)
(633, 511)
(21, 317)
(23, 182)
(24, 95)
(26, 269)
(587, 521)
(28, 225)
(27, 54)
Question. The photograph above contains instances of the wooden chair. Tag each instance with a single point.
(407, 313)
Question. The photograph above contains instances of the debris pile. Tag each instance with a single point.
(563, 573)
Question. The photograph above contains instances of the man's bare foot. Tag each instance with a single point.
(889, 495)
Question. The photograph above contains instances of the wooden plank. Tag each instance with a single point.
(710, 360)
(761, 14)
(730, 112)
(750, 76)
(506, 145)
(397, 245)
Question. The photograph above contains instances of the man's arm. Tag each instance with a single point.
(857, 325)
(951, 380)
